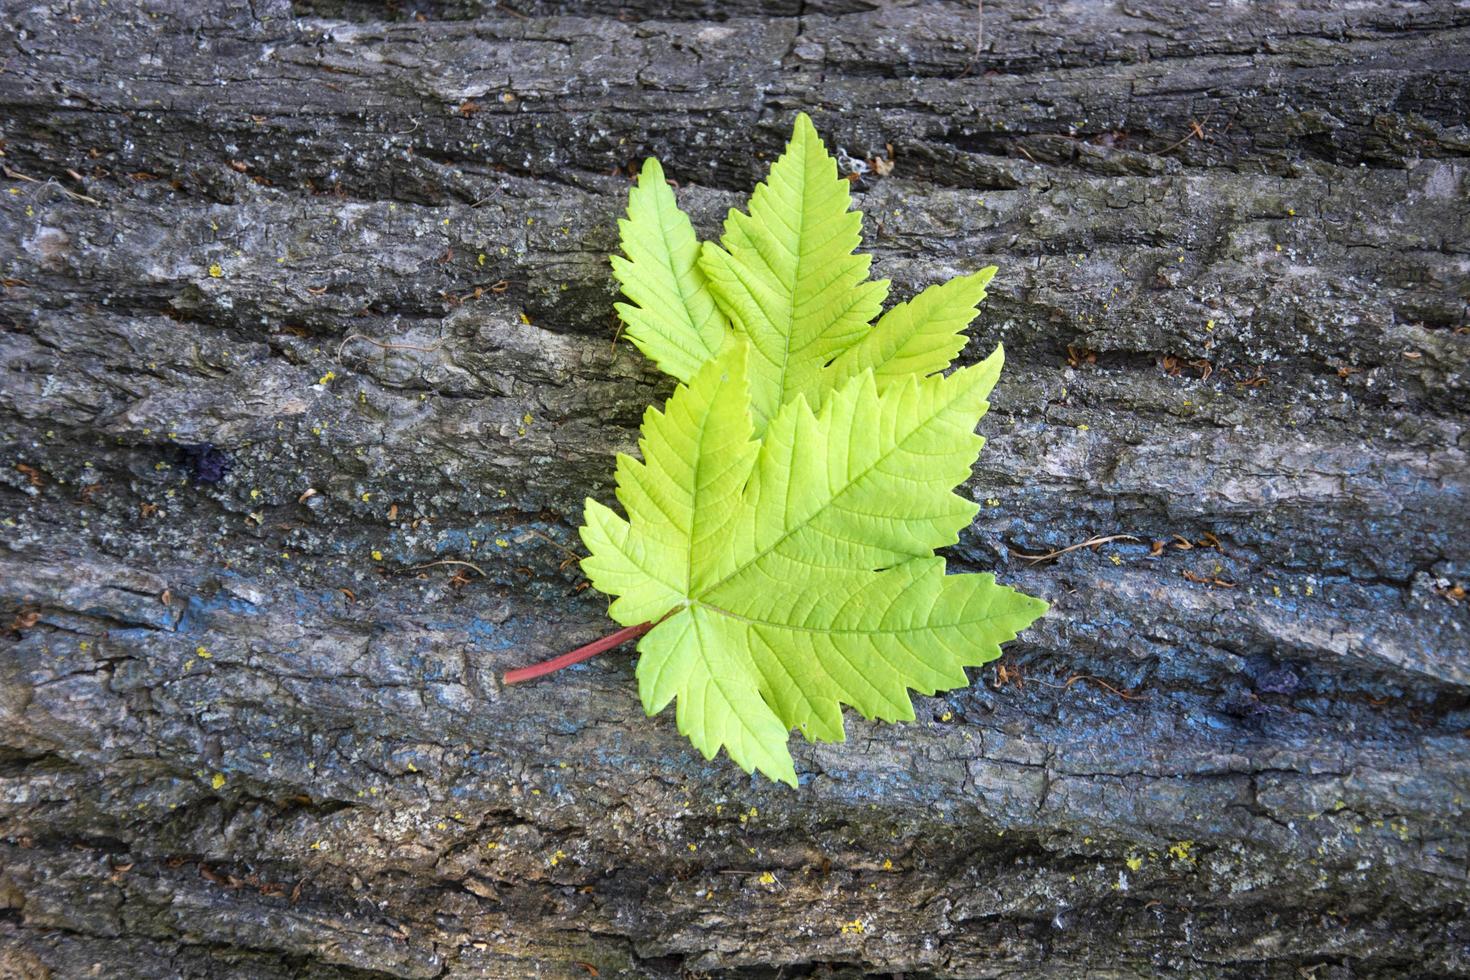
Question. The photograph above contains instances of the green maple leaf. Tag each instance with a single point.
(781, 525)
(796, 574)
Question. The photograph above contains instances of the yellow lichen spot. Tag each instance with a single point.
(441, 825)
(1209, 324)
(444, 222)
(202, 653)
(329, 376)
(527, 419)
(535, 792)
(947, 716)
(530, 222)
(1083, 427)
(501, 492)
(557, 857)
(491, 846)
(377, 555)
(992, 502)
(502, 543)
(525, 319)
(254, 494)
(188, 664)
(480, 258)
(216, 270)
(855, 926)
(265, 755)
(1309, 590)
(84, 646)
(1134, 862)
(1179, 850)
(1278, 248)
(218, 781)
(374, 790)
(30, 211)
(1291, 212)
(887, 864)
(316, 845)
(14, 192)
(412, 767)
(692, 847)
(1276, 591)
(1115, 559)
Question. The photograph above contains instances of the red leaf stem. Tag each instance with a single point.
(606, 643)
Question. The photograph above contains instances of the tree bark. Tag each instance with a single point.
(310, 362)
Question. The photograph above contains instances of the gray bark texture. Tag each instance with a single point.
(303, 305)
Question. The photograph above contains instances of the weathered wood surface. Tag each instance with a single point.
(342, 249)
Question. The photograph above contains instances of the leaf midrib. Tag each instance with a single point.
(668, 225)
(796, 279)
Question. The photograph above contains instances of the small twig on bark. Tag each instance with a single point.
(1089, 543)
(1096, 680)
(572, 556)
(452, 561)
(556, 544)
(17, 175)
(979, 38)
(385, 345)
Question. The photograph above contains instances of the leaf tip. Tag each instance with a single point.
(987, 372)
(651, 171)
